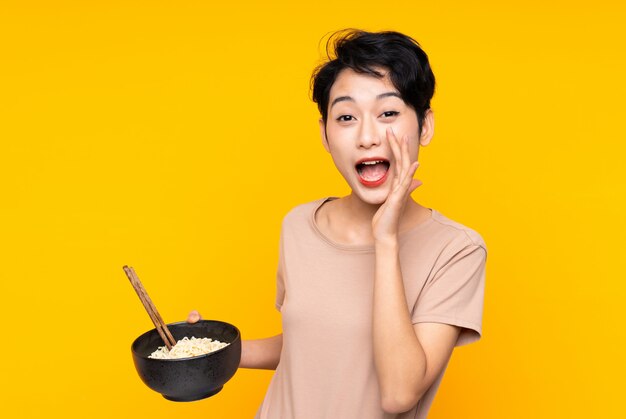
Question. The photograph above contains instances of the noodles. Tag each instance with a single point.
(186, 348)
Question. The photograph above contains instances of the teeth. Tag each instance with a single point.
(372, 162)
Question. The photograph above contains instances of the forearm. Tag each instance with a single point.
(261, 353)
(399, 358)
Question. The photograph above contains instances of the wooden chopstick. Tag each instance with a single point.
(156, 318)
(160, 324)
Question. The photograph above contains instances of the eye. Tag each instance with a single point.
(390, 114)
(346, 118)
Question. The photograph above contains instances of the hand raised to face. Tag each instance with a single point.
(386, 221)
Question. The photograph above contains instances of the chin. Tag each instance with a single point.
(372, 196)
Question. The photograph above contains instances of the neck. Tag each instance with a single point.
(349, 219)
(360, 212)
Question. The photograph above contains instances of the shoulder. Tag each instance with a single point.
(455, 236)
(301, 214)
(456, 230)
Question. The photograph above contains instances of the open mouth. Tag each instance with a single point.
(372, 172)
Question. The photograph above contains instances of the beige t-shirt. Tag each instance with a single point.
(325, 295)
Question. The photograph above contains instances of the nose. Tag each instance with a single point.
(368, 134)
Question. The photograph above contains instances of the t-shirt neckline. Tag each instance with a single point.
(368, 248)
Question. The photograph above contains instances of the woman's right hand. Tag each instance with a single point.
(194, 316)
(258, 353)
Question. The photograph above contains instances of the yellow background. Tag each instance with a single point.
(174, 136)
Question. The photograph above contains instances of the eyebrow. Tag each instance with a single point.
(351, 99)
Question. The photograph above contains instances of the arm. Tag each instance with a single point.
(257, 353)
(408, 358)
(261, 353)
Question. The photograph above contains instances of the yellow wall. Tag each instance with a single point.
(173, 136)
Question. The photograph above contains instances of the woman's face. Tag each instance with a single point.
(361, 108)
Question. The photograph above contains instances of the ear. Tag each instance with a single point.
(428, 128)
(323, 135)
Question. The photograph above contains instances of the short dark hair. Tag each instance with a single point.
(403, 58)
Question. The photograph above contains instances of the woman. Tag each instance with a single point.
(375, 290)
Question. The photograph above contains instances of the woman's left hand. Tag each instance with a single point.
(386, 221)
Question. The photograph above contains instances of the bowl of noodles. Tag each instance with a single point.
(205, 357)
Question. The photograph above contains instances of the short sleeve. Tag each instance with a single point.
(455, 294)
(280, 279)
(280, 288)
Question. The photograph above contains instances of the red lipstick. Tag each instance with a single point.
(372, 171)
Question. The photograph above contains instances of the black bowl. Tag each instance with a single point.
(189, 379)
